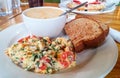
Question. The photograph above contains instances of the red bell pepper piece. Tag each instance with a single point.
(43, 67)
(77, 1)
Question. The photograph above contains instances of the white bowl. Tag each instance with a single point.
(50, 27)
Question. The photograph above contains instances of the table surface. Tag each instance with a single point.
(112, 19)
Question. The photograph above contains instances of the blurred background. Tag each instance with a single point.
(57, 1)
(52, 1)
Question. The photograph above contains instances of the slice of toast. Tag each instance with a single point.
(86, 33)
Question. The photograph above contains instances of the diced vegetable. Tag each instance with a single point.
(41, 54)
(43, 67)
(77, 1)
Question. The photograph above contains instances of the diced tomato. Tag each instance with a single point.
(22, 59)
(64, 58)
(69, 53)
(43, 67)
(28, 37)
(65, 63)
(49, 41)
(77, 1)
(43, 58)
(21, 40)
(40, 37)
(46, 59)
(64, 55)
(33, 36)
(94, 2)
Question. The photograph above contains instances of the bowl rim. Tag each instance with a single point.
(24, 15)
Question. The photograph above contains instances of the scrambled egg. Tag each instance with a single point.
(42, 55)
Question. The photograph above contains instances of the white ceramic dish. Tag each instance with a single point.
(44, 27)
(111, 9)
(91, 63)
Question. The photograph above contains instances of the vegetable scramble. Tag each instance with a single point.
(42, 55)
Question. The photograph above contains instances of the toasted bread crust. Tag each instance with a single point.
(86, 33)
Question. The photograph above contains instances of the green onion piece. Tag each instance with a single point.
(37, 63)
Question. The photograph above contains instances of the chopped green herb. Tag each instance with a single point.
(28, 67)
(34, 56)
(49, 70)
(55, 55)
(44, 40)
(33, 40)
(16, 58)
(15, 45)
(37, 63)
(22, 49)
(40, 55)
(12, 54)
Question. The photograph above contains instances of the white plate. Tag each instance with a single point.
(111, 9)
(91, 63)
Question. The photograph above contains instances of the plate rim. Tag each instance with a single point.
(87, 12)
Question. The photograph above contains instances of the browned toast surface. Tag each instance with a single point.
(86, 33)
